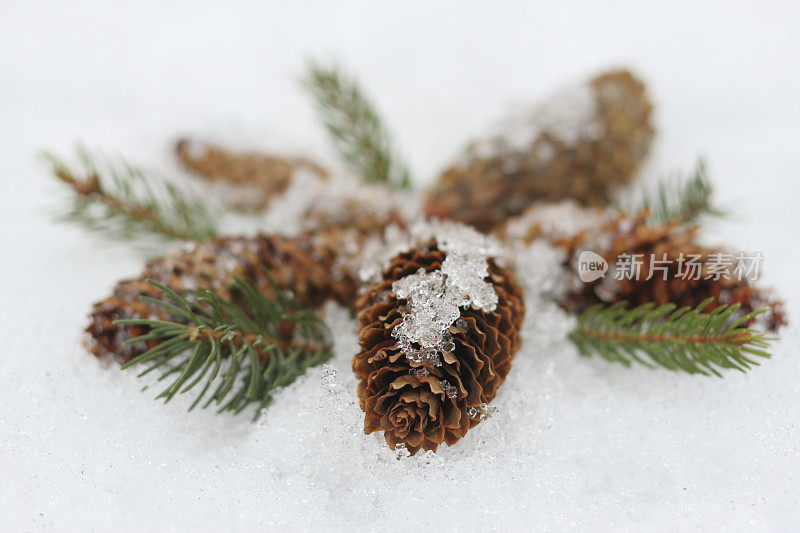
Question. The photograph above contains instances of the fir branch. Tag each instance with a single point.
(682, 202)
(355, 127)
(686, 339)
(266, 343)
(123, 202)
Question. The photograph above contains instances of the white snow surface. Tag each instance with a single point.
(575, 444)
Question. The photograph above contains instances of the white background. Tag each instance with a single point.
(576, 443)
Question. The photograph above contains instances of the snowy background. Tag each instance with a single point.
(576, 443)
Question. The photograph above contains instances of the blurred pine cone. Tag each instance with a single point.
(420, 397)
(247, 181)
(302, 265)
(614, 234)
(351, 217)
(581, 144)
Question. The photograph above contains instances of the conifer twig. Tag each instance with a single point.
(686, 339)
(682, 202)
(355, 127)
(124, 202)
(266, 343)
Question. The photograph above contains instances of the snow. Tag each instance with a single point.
(574, 443)
(567, 115)
(434, 299)
(556, 220)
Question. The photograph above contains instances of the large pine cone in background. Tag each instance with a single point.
(302, 265)
(247, 181)
(582, 144)
(422, 401)
(611, 234)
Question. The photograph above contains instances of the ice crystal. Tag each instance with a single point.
(420, 372)
(434, 299)
(482, 411)
(449, 390)
(450, 237)
(328, 378)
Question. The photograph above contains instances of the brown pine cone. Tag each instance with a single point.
(421, 396)
(356, 213)
(581, 144)
(352, 217)
(302, 265)
(611, 234)
(248, 181)
(673, 244)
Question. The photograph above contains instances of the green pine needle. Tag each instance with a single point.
(236, 355)
(683, 202)
(678, 339)
(123, 202)
(355, 127)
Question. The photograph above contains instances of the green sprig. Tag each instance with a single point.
(355, 127)
(685, 339)
(124, 202)
(239, 353)
(682, 201)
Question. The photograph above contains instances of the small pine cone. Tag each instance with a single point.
(670, 245)
(420, 398)
(581, 144)
(302, 265)
(351, 218)
(359, 215)
(247, 181)
(611, 234)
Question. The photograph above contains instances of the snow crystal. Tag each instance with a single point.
(420, 372)
(484, 411)
(434, 299)
(450, 390)
(450, 237)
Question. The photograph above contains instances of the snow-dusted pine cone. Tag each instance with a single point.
(303, 265)
(352, 217)
(614, 234)
(582, 143)
(247, 181)
(438, 333)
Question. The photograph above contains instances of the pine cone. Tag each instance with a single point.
(302, 265)
(672, 243)
(611, 234)
(352, 217)
(248, 181)
(582, 144)
(420, 397)
(357, 214)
